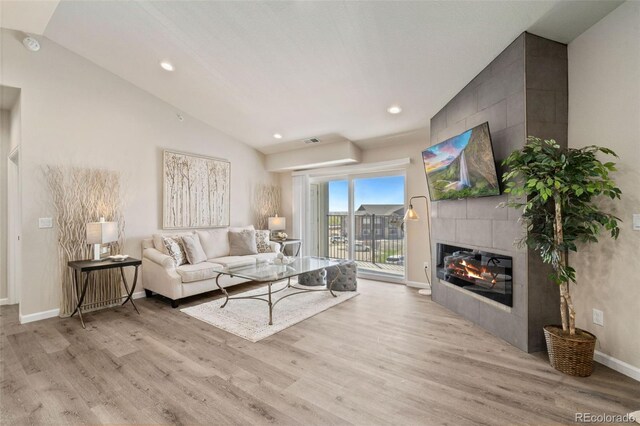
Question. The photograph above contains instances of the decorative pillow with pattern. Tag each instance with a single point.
(175, 249)
(262, 241)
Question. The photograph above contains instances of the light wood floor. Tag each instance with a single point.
(388, 356)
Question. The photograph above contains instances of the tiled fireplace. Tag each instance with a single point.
(476, 269)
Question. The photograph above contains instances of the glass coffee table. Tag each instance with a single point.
(271, 274)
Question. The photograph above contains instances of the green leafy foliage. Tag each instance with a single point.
(543, 175)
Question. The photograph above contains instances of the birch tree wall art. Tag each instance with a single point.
(196, 191)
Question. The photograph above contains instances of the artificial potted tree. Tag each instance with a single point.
(557, 190)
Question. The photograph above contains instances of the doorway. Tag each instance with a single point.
(14, 227)
(10, 194)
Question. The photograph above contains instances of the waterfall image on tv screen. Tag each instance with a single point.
(462, 167)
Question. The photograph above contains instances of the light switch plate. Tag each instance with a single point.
(636, 222)
(45, 222)
(598, 317)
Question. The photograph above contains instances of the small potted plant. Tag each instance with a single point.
(557, 189)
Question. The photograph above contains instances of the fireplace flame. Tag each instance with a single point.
(471, 273)
(466, 270)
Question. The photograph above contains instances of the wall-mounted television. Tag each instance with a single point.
(462, 166)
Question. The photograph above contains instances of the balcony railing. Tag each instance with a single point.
(378, 239)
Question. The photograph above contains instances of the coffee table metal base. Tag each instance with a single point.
(269, 294)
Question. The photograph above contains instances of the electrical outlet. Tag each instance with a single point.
(598, 317)
(45, 222)
(636, 222)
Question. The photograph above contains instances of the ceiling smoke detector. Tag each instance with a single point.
(311, 141)
(31, 43)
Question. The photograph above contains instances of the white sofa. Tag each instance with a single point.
(161, 275)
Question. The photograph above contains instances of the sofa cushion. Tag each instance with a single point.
(193, 249)
(242, 243)
(201, 271)
(148, 243)
(215, 242)
(234, 261)
(175, 249)
(264, 257)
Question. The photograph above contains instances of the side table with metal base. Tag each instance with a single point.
(80, 285)
(287, 242)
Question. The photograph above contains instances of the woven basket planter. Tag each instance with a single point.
(570, 354)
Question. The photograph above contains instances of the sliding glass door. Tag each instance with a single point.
(378, 232)
(360, 218)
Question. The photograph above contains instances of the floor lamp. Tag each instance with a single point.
(412, 215)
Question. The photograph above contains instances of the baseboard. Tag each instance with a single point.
(380, 277)
(39, 316)
(139, 295)
(417, 284)
(56, 312)
(4, 301)
(615, 364)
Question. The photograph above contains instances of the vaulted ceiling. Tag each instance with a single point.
(303, 69)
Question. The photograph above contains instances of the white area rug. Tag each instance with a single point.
(249, 319)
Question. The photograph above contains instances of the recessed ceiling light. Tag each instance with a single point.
(277, 135)
(167, 66)
(394, 109)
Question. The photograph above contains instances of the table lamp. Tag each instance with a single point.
(277, 224)
(99, 233)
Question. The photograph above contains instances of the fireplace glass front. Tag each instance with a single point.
(484, 273)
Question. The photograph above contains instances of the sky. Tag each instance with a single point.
(441, 155)
(380, 190)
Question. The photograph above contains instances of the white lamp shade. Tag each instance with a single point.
(277, 223)
(102, 232)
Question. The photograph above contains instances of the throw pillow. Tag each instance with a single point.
(242, 243)
(175, 249)
(158, 240)
(159, 244)
(262, 241)
(193, 249)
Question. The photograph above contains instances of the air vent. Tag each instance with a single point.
(311, 141)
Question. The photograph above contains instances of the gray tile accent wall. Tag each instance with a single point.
(546, 117)
(522, 91)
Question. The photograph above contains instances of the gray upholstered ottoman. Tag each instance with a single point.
(313, 278)
(343, 276)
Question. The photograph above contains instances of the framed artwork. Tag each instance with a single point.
(196, 191)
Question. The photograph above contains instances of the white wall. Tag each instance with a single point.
(604, 109)
(15, 126)
(74, 112)
(336, 153)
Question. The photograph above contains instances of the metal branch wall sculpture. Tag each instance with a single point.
(80, 196)
(266, 203)
(196, 191)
